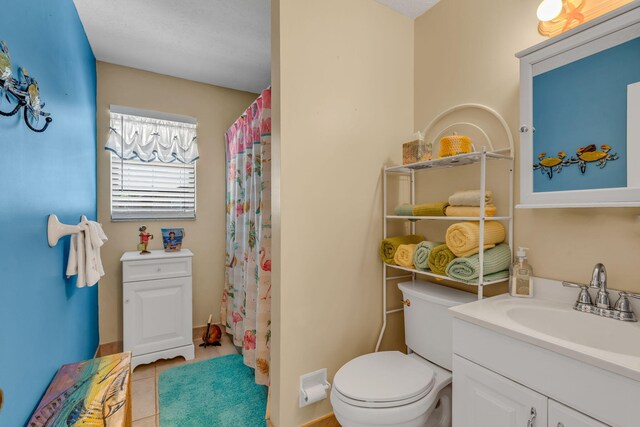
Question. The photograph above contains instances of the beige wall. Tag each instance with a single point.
(345, 96)
(216, 109)
(464, 52)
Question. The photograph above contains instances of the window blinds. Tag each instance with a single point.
(152, 190)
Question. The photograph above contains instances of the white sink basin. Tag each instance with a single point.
(606, 343)
(581, 328)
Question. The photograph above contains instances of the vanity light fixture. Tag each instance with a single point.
(558, 16)
(549, 9)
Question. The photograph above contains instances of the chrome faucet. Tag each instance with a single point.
(599, 281)
(622, 309)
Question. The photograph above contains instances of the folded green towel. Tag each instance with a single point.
(421, 255)
(389, 246)
(439, 258)
(467, 269)
(404, 209)
(430, 209)
(489, 277)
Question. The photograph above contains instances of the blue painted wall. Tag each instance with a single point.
(585, 103)
(45, 321)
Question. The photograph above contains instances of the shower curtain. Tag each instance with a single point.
(246, 299)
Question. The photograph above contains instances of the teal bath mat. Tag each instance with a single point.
(219, 392)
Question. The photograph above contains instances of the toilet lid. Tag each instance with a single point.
(387, 378)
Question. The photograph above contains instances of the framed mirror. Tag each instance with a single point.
(580, 115)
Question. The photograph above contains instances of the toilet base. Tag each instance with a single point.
(436, 414)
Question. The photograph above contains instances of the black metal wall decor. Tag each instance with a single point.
(23, 91)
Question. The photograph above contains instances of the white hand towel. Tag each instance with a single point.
(84, 254)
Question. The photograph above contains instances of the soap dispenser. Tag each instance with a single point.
(521, 275)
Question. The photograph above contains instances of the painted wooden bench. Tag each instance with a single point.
(95, 392)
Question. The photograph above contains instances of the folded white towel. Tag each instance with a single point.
(84, 254)
(470, 198)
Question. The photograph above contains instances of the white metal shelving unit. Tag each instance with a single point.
(482, 156)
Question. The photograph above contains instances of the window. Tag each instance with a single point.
(153, 170)
(152, 190)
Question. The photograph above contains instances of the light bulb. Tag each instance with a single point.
(549, 9)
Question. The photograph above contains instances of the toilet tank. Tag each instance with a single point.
(428, 324)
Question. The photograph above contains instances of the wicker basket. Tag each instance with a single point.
(455, 144)
(416, 151)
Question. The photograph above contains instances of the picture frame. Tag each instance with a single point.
(617, 30)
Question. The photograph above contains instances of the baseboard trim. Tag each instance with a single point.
(109, 348)
(198, 331)
(117, 347)
(328, 420)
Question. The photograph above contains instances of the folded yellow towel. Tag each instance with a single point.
(463, 238)
(430, 209)
(389, 246)
(490, 210)
(404, 255)
(469, 198)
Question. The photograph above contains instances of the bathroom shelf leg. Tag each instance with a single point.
(483, 187)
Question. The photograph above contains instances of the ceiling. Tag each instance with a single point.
(220, 42)
(410, 8)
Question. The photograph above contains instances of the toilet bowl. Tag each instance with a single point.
(394, 389)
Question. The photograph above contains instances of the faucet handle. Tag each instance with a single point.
(623, 306)
(629, 294)
(584, 298)
(574, 285)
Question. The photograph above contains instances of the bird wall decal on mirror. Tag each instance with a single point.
(588, 154)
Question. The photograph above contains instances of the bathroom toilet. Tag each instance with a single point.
(390, 388)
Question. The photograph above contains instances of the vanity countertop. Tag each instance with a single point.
(552, 324)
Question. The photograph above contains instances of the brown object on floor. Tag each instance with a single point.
(93, 392)
(1, 398)
(328, 420)
(211, 336)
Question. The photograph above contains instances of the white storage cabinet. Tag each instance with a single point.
(157, 305)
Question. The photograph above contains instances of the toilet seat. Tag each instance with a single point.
(383, 380)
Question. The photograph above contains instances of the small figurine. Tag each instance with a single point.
(144, 240)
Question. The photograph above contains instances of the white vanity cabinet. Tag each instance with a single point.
(498, 379)
(157, 305)
(483, 398)
(563, 416)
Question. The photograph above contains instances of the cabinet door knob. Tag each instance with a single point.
(532, 417)
(126, 301)
(159, 269)
(560, 424)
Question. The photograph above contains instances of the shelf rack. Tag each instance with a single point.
(486, 153)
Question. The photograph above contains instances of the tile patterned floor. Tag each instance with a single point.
(144, 384)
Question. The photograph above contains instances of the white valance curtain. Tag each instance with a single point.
(151, 139)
